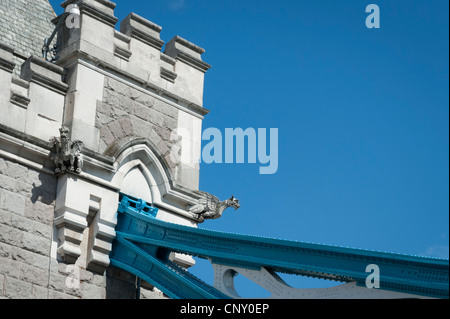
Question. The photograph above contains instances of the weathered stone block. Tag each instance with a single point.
(3, 166)
(9, 267)
(27, 257)
(57, 282)
(8, 183)
(141, 128)
(2, 283)
(17, 289)
(39, 212)
(166, 109)
(127, 127)
(36, 244)
(39, 292)
(27, 225)
(116, 130)
(10, 235)
(13, 202)
(60, 295)
(89, 291)
(139, 28)
(5, 250)
(16, 171)
(44, 73)
(34, 275)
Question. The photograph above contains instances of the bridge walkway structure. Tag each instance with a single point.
(143, 246)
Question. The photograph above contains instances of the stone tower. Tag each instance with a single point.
(125, 102)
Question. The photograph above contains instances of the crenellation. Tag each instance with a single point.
(136, 51)
(143, 30)
(6, 57)
(46, 94)
(19, 92)
(44, 73)
(180, 45)
(102, 10)
(168, 68)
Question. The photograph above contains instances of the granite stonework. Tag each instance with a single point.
(126, 112)
(27, 204)
(115, 91)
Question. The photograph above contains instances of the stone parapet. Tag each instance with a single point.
(135, 49)
(44, 73)
(6, 57)
(102, 10)
(187, 52)
(142, 29)
(34, 102)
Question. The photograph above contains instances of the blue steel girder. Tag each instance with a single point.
(143, 241)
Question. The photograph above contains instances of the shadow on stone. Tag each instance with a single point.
(46, 191)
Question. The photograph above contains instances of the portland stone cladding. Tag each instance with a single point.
(27, 204)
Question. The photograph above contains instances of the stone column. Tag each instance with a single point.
(82, 48)
(85, 219)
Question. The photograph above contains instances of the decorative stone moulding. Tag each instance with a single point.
(6, 57)
(86, 204)
(168, 75)
(141, 29)
(19, 100)
(44, 73)
(66, 154)
(85, 222)
(168, 68)
(102, 10)
(121, 46)
(187, 52)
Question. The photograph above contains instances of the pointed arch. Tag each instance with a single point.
(139, 158)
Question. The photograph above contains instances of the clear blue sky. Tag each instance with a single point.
(363, 116)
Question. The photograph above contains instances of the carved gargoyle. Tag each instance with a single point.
(66, 154)
(210, 207)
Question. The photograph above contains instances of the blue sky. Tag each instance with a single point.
(363, 116)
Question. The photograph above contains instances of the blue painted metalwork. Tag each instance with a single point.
(143, 245)
(138, 204)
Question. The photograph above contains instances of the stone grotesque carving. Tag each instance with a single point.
(66, 154)
(210, 207)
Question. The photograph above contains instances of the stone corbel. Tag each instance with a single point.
(85, 220)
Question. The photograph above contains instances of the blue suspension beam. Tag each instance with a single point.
(143, 245)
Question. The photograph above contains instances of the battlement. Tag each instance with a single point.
(135, 51)
(34, 102)
(108, 84)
